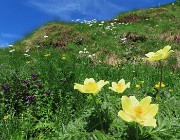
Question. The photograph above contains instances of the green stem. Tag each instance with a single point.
(137, 132)
(161, 73)
(98, 111)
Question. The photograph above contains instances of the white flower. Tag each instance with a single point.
(45, 36)
(89, 55)
(27, 50)
(85, 49)
(80, 52)
(108, 28)
(94, 54)
(102, 22)
(10, 45)
(112, 24)
(123, 39)
(12, 50)
(26, 55)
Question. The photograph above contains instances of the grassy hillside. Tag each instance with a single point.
(38, 74)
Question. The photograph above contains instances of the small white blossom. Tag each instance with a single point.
(12, 50)
(26, 55)
(80, 52)
(112, 24)
(45, 36)
(27, 50)
(123, 39)
(89, 55)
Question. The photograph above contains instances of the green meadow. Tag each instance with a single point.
(38, 73)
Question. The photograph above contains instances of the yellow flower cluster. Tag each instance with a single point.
(133, 110)
(158, 85)
(91, 86)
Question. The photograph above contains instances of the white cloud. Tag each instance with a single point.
(8, 35)
(66, 9)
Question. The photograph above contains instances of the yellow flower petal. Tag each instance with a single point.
(88, 80)
(128, 103)
(79, 87)
(153, 109)
(101, 83)
(150, 54)
(150, 122)
(145, 104)
(124, 116)
(134, 101)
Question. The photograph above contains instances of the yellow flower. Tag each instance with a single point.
(138, 86)
(6, 117)
(142, 82)
(120, 86)
(158, 85)
(170, 90)
(63, 57)
(90, 86)
(48, 54)
(141, 112)
(27, 62)
(160, 54)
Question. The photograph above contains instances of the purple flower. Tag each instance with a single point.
(30, 98)
(5, 87)
(27, 82)
(34, 76)
(39, 85)
(47, 92)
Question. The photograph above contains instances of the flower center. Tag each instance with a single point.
(138, 111)
(91, 86)
(120, 86)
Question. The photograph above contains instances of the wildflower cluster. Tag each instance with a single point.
(90, 86)
(132, 110)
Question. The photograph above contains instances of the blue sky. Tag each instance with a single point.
(19, 17)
